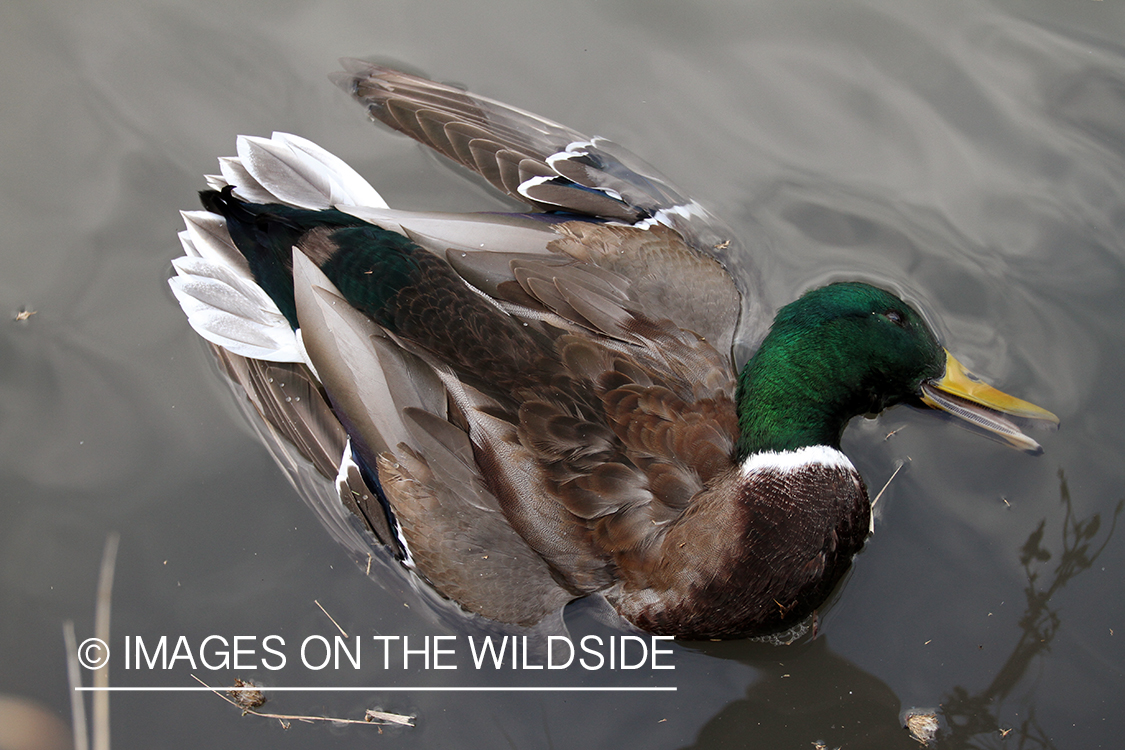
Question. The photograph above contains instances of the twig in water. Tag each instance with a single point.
(330, 617)
(371, 718)
(888, 484)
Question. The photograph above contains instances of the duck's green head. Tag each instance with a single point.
(850, 348)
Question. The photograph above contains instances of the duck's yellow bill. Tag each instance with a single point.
(966, 396)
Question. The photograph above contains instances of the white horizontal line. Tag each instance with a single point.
(446, 689)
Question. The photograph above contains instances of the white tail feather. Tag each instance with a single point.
(215, 181)
(348, 188)
(298, 172)
(214, 285)
(211, 240)
(232, 312)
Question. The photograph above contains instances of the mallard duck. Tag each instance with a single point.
(531, 408)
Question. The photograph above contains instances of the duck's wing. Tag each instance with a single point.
(554, 168)
(446, 527)
(649, 332)
(528, 157)
(287, 406)
(450, 526)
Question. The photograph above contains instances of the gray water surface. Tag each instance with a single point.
(969, 155)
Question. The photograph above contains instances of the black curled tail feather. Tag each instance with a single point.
(266, 233)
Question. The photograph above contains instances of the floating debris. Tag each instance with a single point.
(247, 700)
(384, 717)
(923, 724)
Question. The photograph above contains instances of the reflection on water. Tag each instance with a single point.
(807, 694)
(974, 718)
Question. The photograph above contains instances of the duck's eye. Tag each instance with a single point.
(895, 317)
